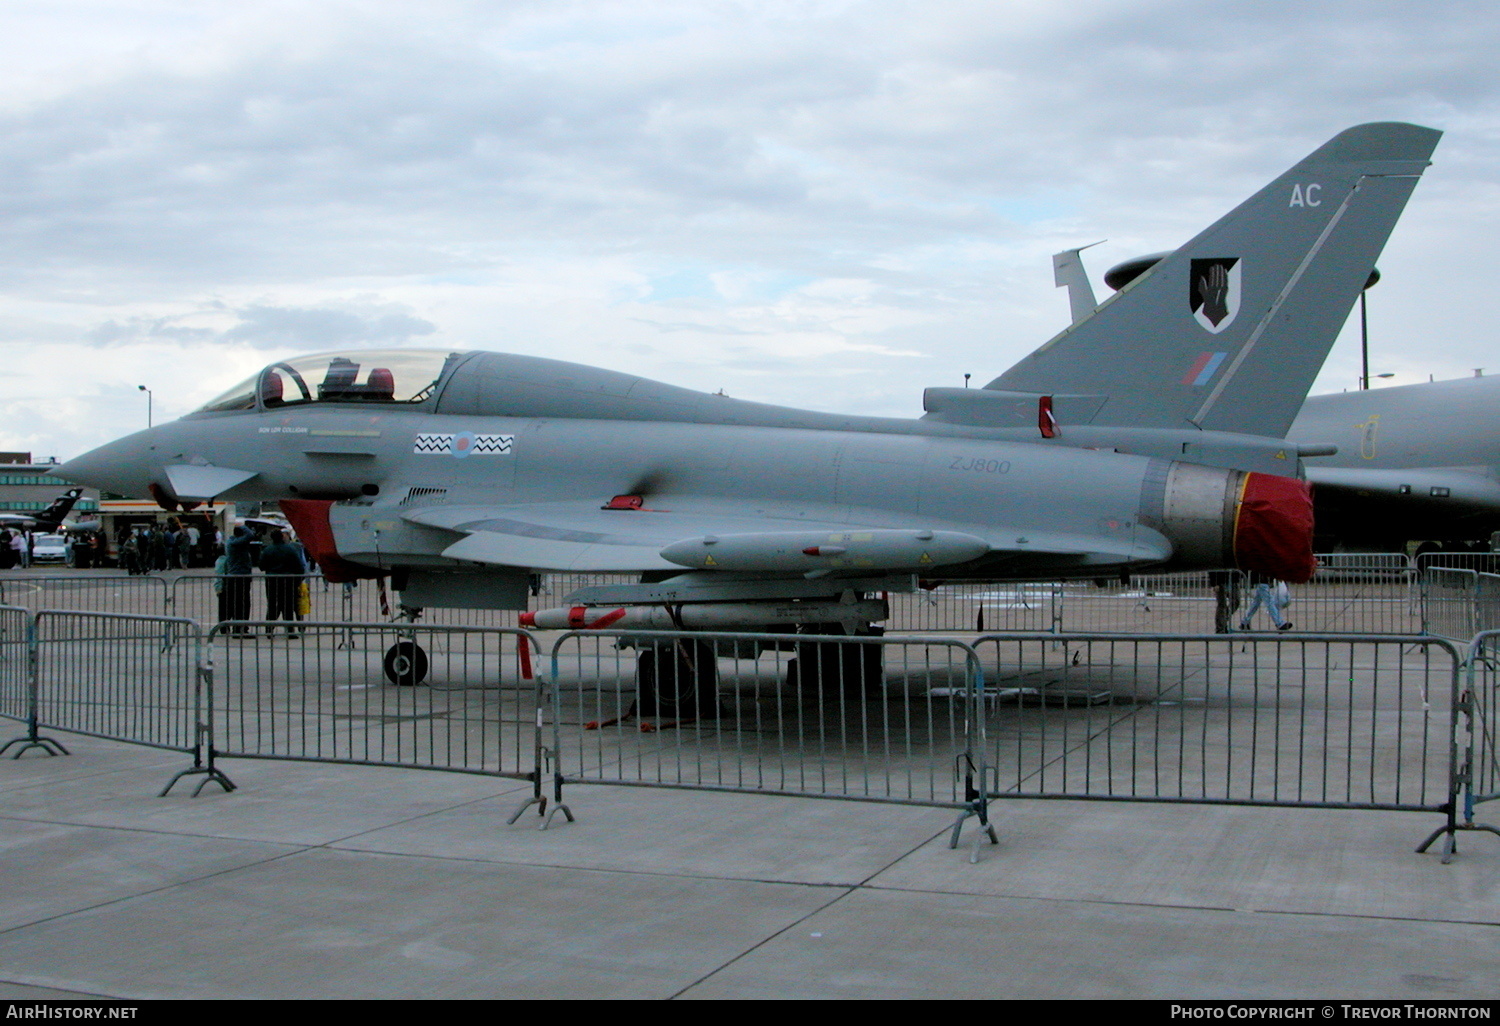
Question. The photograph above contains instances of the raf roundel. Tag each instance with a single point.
(461, 444)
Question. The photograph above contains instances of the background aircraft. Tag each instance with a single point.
(44, 520)
(1416, 463)
(1151, 433)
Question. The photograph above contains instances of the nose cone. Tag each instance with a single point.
(126, 466)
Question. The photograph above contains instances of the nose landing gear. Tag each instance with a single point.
(405, 664)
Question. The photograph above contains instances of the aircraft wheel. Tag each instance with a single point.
(405, 664)
(677, 681)
(830, 667)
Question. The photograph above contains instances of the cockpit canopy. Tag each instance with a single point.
(372, 376)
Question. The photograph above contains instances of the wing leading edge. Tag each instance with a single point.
(567, 536)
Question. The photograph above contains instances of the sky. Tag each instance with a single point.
(829, 204)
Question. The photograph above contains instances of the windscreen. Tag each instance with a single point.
(372, 376)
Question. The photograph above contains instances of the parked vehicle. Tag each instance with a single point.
(49, 548)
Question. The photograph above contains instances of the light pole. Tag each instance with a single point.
(143, 388)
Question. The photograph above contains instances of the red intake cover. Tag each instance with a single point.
(309, 518)
(1273, 530)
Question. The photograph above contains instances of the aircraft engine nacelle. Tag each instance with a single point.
(1217, 518)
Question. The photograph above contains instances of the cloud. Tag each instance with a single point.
(278, 326)
(296, 328)
(647, 185)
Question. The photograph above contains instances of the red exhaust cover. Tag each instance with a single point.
(1273, 528)
(309, 518)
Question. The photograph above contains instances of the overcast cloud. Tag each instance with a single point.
(827, 203)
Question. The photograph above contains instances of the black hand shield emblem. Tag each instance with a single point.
(1214, 292)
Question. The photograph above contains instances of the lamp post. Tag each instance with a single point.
(143, 388)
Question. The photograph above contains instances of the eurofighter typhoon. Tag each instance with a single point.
(1149, 434)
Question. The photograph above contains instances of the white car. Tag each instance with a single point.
(49, 548)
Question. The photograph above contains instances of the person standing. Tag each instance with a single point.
(158, 548)
(129, 553)
(1226, 585)
(237, 571)
(282, 564)
(191, 559)
(221, 590)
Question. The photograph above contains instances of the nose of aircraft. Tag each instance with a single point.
(126, 466)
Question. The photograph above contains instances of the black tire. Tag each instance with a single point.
(677, 681)
(405, 664)
(826, 668)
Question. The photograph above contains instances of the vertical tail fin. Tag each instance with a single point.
(59, 509)
(1228, 332)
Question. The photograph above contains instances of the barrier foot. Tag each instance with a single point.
(210, 774)
(1450, 831)
(558, 807)
(31, 741)
(980, 810)
(538, 800)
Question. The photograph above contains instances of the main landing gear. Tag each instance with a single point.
(837, 667)
(677, 680)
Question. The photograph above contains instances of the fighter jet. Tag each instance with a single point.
(43, 520)
(1149, 434)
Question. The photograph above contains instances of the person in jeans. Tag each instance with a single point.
(1271, 593)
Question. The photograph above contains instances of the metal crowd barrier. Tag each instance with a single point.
(86, 592)
(1352, 592)
(975, 608)
(461, 699)
(202, 597)
(1476, 757)
(1358, 593)
(1479, 562)
(127, 678)
(882, 719)
(1331, 721)
(1449, 599)
(1486, 602)
(1341, 721)
(18, 698)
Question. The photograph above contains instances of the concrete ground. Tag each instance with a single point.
(323, 881)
